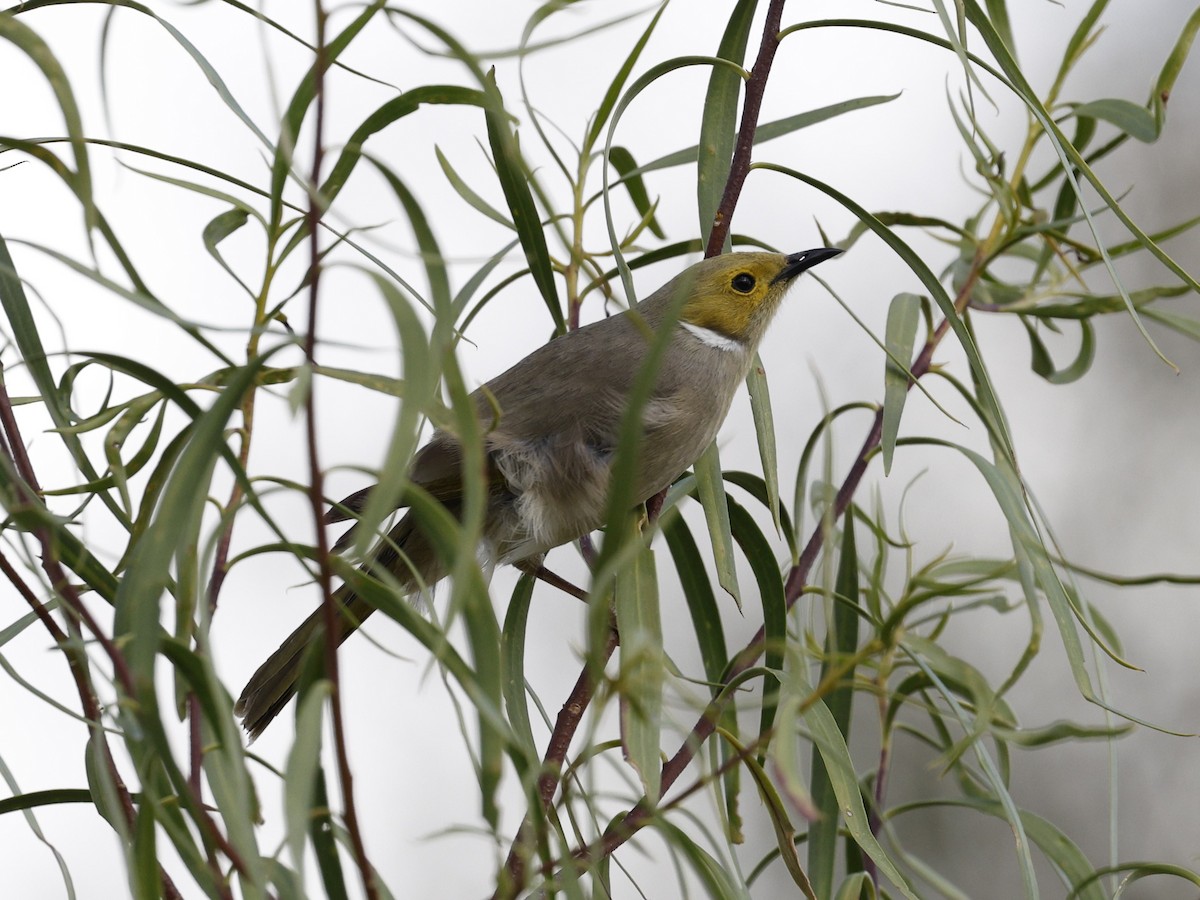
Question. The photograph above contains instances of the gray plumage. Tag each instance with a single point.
(551, 447)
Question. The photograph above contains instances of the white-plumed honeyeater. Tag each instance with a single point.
(552, 423)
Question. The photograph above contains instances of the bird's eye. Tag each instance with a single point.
(743, 282)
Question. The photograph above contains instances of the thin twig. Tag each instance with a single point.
(27, 484)
(72, 644)
(568, 720)
(739, 166)
(541, 573)
(875, 814)
(316, 491)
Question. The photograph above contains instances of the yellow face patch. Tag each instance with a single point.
(731, 292)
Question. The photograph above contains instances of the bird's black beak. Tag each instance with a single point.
(806, 259)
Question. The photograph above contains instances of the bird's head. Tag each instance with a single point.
(736, 295)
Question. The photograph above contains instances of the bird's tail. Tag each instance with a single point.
(406, 551)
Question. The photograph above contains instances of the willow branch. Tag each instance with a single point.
(739, 166)
(28, 490)
(316, 490)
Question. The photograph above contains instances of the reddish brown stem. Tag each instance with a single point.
(739, 166)
(552, 764)
(72, 644)
(316, 491)
(195, 749)
(27, 484)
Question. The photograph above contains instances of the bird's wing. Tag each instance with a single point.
(574, 388)
(577, 385)
(435, 469)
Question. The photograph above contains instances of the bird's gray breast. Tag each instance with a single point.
(558, 433)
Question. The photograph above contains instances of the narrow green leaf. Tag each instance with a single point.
(465, 191)
(768, 131)
(224, 760)
(1082, 38)
(431, 253)
(24, 331)
(144, 882)
(1137, 870)
(1042, 363)
(840, 643)
(30, 43)
(785, 834)
(856, 886)
(768, 575)
(320, 831)
(1182, 324)
(904, 315)
(828, 741)
(605, 108)
(34, 799)
(710, 636)
(998, 12)
(757, 488)
(956, 36)
(101, 787)
(784, 756)
(718, 122)
(764, 430)
(286, 882)
(421, 372)
(642, 669)
(1060, 732)
(388, 113)
(221, 227)
(1136, 121)
(710, 487)
(716, 878)
(513, 175)
(776, 128)
(622, 160)
(468, 589)
(300, 773)
(1173, 66)
(516, 704)
(702, 604)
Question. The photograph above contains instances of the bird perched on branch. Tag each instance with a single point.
(552, 424)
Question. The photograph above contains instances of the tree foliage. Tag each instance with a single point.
(121, 555)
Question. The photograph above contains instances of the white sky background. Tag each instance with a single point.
(1112, 459)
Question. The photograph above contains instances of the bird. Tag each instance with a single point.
(552, 423)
